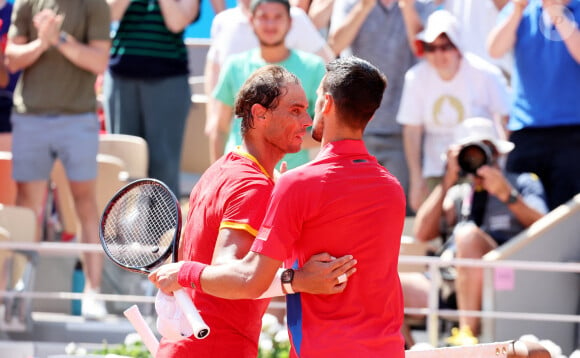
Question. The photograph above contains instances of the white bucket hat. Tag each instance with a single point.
(441, 22)
(477, 129)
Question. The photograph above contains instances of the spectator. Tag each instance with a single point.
(55, 110)
(486, 211)
(439, 93)
(228, 205)
(376, 31)
(319, 11)
(271, 22)
(232, 32)
(545, 113)
(341, 202)
(476, 19)
(146, 88)
(7, 80)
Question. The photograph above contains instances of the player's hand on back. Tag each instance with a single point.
(278, 173)
(322, 272)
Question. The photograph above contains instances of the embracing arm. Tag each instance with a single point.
(250, 277)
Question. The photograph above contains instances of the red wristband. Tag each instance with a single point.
(190, 274)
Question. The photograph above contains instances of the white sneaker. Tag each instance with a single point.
(92, 308)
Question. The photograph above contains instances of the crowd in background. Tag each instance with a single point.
(515, 64)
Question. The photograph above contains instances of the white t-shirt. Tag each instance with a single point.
(231, 33)
(476, 19)
(477, 90)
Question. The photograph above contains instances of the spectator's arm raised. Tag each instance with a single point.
(503, 37)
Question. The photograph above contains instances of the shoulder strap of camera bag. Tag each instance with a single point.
(478, 204)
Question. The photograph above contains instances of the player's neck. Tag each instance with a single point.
(266, 157)
(337, 133)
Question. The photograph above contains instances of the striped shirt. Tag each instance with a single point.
(143, 47)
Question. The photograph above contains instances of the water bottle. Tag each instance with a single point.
(78, 285)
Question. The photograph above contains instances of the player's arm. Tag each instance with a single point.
(317, 276)
(241, 279)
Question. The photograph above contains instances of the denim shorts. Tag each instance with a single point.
(39, 139)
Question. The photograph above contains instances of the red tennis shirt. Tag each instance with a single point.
(232, 193)
(343, 202)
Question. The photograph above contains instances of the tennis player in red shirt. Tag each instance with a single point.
(343, 202)
(227, 206)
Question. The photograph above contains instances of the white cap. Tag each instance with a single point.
(441, 22)
(477, 129)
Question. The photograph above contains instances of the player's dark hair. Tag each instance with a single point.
(357, 88)
(265, 86)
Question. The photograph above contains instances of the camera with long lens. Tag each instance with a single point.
(474, 155)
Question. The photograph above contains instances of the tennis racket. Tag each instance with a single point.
(140, 228)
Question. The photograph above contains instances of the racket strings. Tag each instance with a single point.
(140, 226)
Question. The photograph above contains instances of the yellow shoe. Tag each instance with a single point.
(461, 337)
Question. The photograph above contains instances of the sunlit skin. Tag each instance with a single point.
(289, 121)
(271, 23)
(445, 62)
(318, 124)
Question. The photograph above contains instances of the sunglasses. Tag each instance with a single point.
(433, 48)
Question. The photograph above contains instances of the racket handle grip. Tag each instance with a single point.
(200, 328)
(134, 316)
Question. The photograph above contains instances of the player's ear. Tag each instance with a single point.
(328, 103)
(258, 111)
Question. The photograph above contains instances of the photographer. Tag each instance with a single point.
(482, 206)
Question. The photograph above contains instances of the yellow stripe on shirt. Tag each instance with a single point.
(238, 226)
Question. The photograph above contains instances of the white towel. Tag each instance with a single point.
(171, 322)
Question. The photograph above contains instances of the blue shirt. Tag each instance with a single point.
(546, 79)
